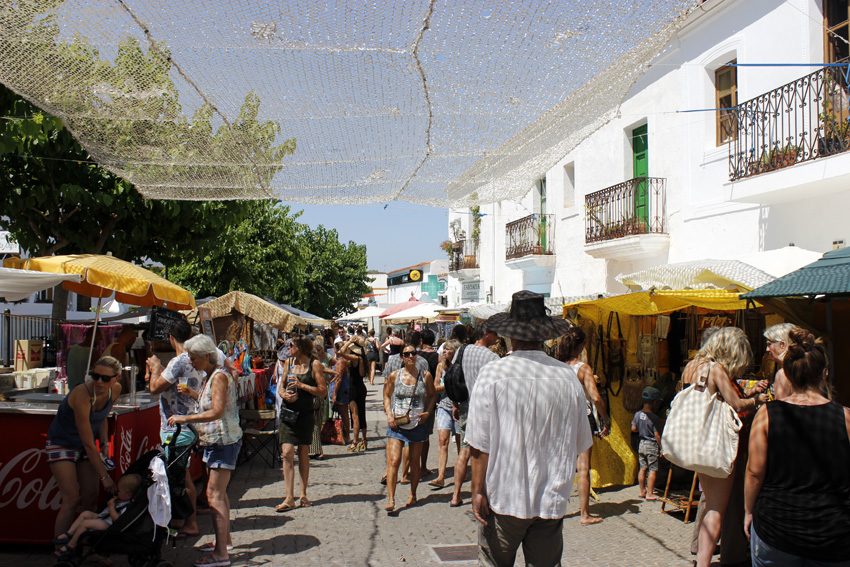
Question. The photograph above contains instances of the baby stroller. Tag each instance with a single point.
(134, 533)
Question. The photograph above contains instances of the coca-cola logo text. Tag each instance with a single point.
(20, 489)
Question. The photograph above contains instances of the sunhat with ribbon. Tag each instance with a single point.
(528, 319)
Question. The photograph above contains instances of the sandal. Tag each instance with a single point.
(390, 507)
(211, 561)
(210, 546)
(352, 448)
(361, 447)
(437, 484)
(284, 507)
(60, 540)
(64, 552)
(304, 503)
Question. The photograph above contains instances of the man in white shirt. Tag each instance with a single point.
(527, 425)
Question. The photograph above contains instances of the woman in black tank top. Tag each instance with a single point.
(797, 487)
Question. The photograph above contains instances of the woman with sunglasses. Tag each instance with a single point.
(409, 399)
(72, 455)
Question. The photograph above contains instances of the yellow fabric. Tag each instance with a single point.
(102, 275)
(255, 308)
(658, 302)
(612, 462)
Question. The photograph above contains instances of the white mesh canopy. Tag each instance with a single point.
(424, 101)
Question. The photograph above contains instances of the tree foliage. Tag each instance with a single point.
(271, 255)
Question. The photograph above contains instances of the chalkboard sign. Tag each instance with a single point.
(160, 324)
(206, 322)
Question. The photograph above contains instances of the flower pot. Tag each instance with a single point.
(470, 262)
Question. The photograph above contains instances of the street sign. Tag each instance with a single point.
(471, 291)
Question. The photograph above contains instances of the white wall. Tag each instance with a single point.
(701, 220)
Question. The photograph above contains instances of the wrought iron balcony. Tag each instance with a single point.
(801, 121)
(636, 206)
(464, 256)
(534, 234)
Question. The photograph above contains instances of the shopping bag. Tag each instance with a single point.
(701, 433)
(332, 432)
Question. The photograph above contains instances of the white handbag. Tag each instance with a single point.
(701, 433)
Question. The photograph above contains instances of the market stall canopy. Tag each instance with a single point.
(698, 274)
(333, 102)
(308, 317)
(781, 261)
(16, 284)
(421, 312)
(478, 310)
(658, 302)
(256, 308)
(369, 312)
(828, 276)
(103, 275)
(398, 307)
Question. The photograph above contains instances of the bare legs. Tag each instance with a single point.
(717, 492)
(444, 438)
(394, 450)
(646, 482)
(346, 422)
(78, 485)
(372, 365)
(355, 425)
(460, 474)
(220, 510)
(288, 454)
(583, 466)
(190, 526)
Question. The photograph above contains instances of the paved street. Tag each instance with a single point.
(348, 526)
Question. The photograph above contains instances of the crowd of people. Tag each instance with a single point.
(525, 426)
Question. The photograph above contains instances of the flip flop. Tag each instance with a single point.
(284, 507)
(437, 484)
(184, 535)
(211, 562)
(652, 497)
(304, 503)
(210, 546)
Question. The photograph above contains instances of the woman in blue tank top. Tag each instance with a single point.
(72, 454)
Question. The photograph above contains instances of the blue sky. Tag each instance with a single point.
(401, 235)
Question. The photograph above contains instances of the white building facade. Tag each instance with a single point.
(412, 281)
(709, 157)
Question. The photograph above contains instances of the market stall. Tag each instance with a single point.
(28, 488)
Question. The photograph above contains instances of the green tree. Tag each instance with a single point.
(259, 255)
(335, 277)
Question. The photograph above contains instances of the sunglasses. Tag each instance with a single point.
(408, 354)
(101, 377)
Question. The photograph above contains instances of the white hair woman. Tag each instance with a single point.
(220, 435)
(777, 343)
(723, 359)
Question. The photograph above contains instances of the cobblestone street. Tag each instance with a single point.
(347, 524)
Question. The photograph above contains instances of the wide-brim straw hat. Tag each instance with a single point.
(528, 319)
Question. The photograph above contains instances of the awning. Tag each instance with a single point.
(16, 284)
(255, 308)
(659, 302)
(828, 276)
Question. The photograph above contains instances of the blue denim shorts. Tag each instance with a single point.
(445, 421)
(418, 434)
(222, 456)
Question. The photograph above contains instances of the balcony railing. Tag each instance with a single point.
(464, 256)
(801, 121)
(636, 206)
(534, 234)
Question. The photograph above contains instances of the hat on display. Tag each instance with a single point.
(528, 319)
(650, 393)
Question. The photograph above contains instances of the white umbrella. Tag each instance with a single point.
(365, 313)
(423, 311)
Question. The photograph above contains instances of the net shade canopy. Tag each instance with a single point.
(318, 101)
(103, 275)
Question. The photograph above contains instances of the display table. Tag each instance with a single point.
(29, 495)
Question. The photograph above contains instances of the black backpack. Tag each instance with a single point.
(454, 380)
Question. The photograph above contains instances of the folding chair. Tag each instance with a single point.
(259, 436)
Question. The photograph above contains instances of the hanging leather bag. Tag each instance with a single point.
(701, 433)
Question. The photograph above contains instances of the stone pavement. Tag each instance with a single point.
(347, 526)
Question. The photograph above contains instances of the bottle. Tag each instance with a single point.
(290, 384)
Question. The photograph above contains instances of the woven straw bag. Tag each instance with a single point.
(701, 433)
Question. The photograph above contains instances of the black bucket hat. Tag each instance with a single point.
(528, 320)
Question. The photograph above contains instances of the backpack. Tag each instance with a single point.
(454, 380)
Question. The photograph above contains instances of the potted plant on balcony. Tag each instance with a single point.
(471, 260)
(778, 158)
(447, 246)
(834, 125)
(539, 234)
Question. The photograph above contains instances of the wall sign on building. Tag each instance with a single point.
(471, 291)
